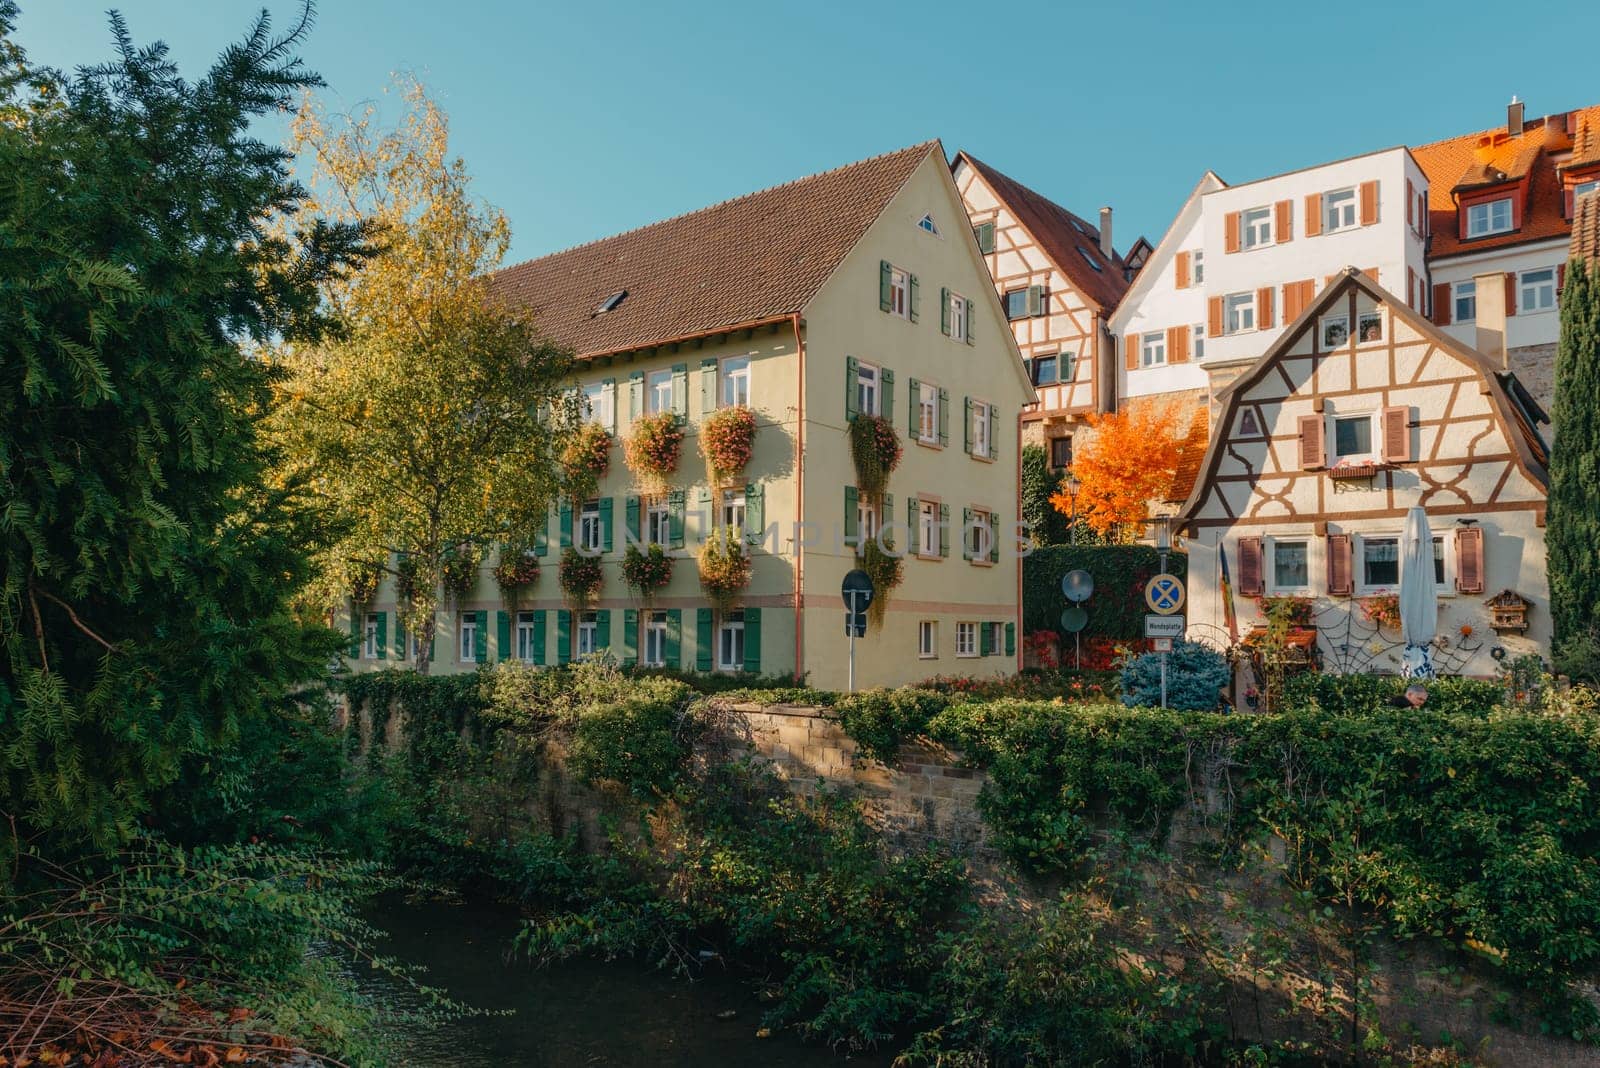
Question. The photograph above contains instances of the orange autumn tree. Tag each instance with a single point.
(1129, 461)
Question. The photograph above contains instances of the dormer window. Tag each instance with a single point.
(1583, 189)
(611, 302)
(1489, 217)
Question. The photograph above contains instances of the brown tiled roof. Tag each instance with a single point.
(754, 258)
(1065, 238)
(1191, 451)
(1586, 141)
(1586, 230)
(1493, 156)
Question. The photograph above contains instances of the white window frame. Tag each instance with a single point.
(927, 527)
(966, 639)
(1445, 586)
(527, 628)
(586, 642)
(733, 382)
(1372, 455)
(982, 429)
(653, 643)
(1197, 267)
(1463, 291)
(1359, 548)
(590, 535)
(1363, 319)
(1327, 322)
(654, 393)
(1276, 588)
(1481, 221)
(657, 520)
(1339, 210)
(982, 528)
(928, 639)
(869, 388)
(414, 639)
(369, 636)
(1198, 341)
(467, 638)
(730, 641)
(960, 308)
(866, 520)
(899, 293)
(997, 638)
(1255, 227)
(1153, 348)
(1583, 189)
(597, 404)
(732, 508)
(1237, 308)
(1545, 288)
(927, 413)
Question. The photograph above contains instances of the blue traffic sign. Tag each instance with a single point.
(1164, 594)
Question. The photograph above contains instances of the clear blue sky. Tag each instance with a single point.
(580, 120)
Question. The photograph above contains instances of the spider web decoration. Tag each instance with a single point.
(1352, 644)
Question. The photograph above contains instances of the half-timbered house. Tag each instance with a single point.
(1320, 449)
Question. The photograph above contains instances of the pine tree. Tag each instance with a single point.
(146, 561)
(1572, 534)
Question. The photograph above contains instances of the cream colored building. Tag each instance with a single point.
(857, 290)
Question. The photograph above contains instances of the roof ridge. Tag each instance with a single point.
(1533, 123)
(927, 145)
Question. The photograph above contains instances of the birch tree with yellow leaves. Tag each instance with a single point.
(431, 425)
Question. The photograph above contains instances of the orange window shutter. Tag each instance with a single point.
(1264, 320)
(1469, 560)
(1441, 304)
(1396, 435)
(1561, 278)
(1214, 317)
(1411, 205)
(1291, 301)
(1308, 289)
(1130, 358)
(1339, 569)
(1231, 232)
(1313, 214)
(1369, 203)
(1310, 427)
(1177, 344)
(1283, 220)
(1250, 567)
(1511, 293)
(1181, 270)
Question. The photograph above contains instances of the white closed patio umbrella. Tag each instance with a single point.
(1419, 604)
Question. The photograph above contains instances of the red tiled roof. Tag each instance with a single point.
(1586, 231)
(754, 258)
(1065, 238)
(1586, 141)
(1191, 451)
(1490, 157)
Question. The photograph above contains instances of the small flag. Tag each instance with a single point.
(1227, 595)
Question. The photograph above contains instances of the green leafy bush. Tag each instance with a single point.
(1357, 694)
(1196, 675)
(639, 741)
(1116, 610)
(881, 721)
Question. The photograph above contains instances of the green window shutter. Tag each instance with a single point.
(944, 311)
(675, 503)
(608, 393)
(356, 632)
(966, 525)
(985, 234)
(850, 394)
(966, 426)
(708, 386)
(911, 522)
(984, 644)
(755, 510)
(383, 635)
(635, 394)
(630, 635)
(887, 408)
(563, 636)
(752, 640)
(502, 635)
(944, 417)
(888, 513)
(705, 509)
(605, 523)
(674, 656)
(994, 538)
(566, 526)
(400, 647)
(1036, 300)
(1011, 639)
(885, 285)
(480, 638)
(851, 499)
(538, 636)
(994, 433)
(541, 537)
(680, 390)
(702, 639)
(602, 629)
(971, 309)
(631, 507)
(914, 298)
(432, 632)
(916, 398)
(944, 530)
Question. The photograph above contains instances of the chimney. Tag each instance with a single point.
(1514, 117)
(1490, 323)
(1105, 234)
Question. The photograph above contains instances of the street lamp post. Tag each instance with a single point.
(1072, 486)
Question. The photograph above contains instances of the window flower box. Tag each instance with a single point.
(1347, 470)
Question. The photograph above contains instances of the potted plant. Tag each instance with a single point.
(653, 448)
(875, 449)
(646, 570)
(518, 568)
(727, 438)
(580, 576)
(459, 570)
(1382, 611)
(724, 568)
(585, 461)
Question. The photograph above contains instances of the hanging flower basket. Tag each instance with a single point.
(875, 448)
(654, 447)
(1382, 611)
(459, 571)
(727, 439)
(724, 568)
(1295, 611)
(646, 570)
(585, 461)
(884, 566)
(580, 576)
(407, 579)
(364, 581)
(518, 568)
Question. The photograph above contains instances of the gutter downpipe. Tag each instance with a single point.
(800, 501)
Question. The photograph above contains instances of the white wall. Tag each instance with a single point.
(1523, 329)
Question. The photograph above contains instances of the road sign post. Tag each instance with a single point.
(1077, 586)
(1164, 594)
(857, 592)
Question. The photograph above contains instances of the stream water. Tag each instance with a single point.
(581, 1013)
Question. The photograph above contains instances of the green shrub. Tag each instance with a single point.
(1117, 608)
(640, 741)
(881, 721)
(1354, 694)
(1196, 676)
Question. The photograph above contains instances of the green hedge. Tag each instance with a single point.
(1117, 608)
